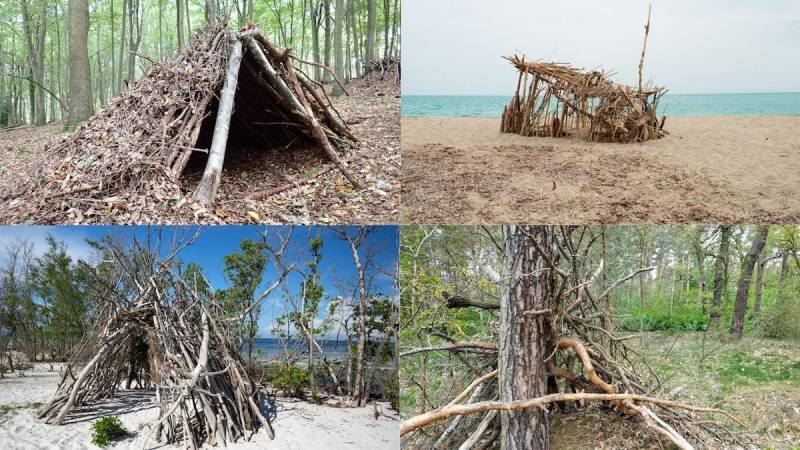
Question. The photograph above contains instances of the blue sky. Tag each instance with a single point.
(337, 272)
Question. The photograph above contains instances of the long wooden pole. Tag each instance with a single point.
(207, 189)
(644, 49)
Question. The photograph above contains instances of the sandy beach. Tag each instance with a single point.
(743, 169)
(298, 425)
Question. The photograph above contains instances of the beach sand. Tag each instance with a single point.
(298, 425)
(736, 169)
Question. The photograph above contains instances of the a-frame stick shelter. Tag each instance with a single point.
(224, 89)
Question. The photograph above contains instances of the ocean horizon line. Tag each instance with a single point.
(667, 93)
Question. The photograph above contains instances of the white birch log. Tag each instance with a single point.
(207, 189)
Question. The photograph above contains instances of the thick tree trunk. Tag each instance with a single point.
(216, 155)
(80, 93)
(525, 343)
(743, 286)
(720, 271)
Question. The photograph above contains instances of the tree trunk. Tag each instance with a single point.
(338, 47)
(179, 9)
(743, 286)
(525, 342)
(720, 272)
(210, 11)
(372, 23)
(315, 24)
(759, 286)
(120, 64)
(80, 94)
(327, 48)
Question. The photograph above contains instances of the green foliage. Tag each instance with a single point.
(392, 393)
(106, 430)
(659, 316)
(289, 379)
(244, 271)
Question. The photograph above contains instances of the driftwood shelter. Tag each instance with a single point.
(225, 89)
(157, 327)
(558, 100)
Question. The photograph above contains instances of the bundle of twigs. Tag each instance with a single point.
(380, 67)
(130, 155)
(590, 362)
(184, 348)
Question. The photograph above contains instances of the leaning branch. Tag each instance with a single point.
(476, 346)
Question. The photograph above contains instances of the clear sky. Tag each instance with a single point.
(695, 46)
(337, 272)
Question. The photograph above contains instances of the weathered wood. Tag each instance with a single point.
(207, 189)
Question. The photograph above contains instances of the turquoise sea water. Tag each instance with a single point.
(671, 105)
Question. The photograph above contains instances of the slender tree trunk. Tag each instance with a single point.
(80, 86)
(720, 272)
(743, 286)
(356, 38)
(762, 264)
(114, 82)
(161, 29)
(327, 48)
(179, 9)
(525, 342)
(41, 112)
(315, 24)
(372, 23)
(120, 64)
(387, 12)
(338, 46)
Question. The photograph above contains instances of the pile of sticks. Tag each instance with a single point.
(157, 324)
(225, 86)
(557, 100)
(388, 64)
(589, 362)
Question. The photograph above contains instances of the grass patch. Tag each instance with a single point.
(744, 369)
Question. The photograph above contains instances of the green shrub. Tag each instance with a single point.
(392, 393)
(658, 316)
(289, 379)
(106, 430)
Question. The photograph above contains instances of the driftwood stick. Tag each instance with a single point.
(317, 130)
(261, 195)
(644, 49)
(429, 417)
(207, 189)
